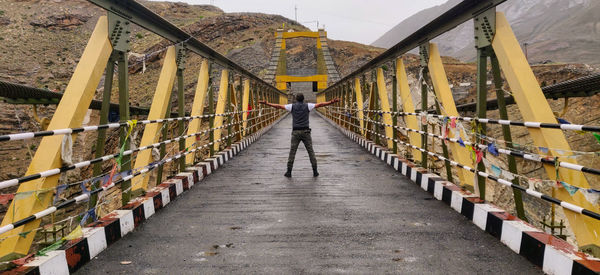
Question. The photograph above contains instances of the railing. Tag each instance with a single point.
(130, 173)
(481, 148)
(231, 114)
(467, 154)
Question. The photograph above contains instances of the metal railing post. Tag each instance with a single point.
(211, 111)
(164, 135)
(181, 54)
(375, 106)
(512, 163)
(101, 140)
(230, 89)
(394, 107)
(424, 52)
(124, 116)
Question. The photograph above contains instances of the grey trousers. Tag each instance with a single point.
(304, 136)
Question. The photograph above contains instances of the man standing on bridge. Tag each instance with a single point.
(301, 132)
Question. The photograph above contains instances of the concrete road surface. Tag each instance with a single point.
(359, 216)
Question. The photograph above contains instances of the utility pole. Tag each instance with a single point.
(296, 13)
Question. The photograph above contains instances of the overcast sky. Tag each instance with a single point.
(352, 20)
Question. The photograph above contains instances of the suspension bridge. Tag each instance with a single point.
(403, 188)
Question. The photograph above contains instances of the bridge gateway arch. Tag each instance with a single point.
(402, 188)
(277, 71)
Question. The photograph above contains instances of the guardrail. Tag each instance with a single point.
(130, 173)
(232, 114)
(463, 150)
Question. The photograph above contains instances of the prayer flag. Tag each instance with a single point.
(570, 188)
(591, 195)
(492, 149)
(496, 171)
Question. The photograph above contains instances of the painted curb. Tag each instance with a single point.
(551, 254)
(98, 235)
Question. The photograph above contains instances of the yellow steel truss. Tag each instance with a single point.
(359, 102)
(158, 110)
(197, 108)
(245, 98)
(282, 80)
(444, 94)
(220, 109)
(69, 114)
(385, 107)
(408, 106)
(534, 107)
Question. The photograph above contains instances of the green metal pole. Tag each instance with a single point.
(124, 116)
(261, 97)
(512, 164)
(228, 109)
(365, 114)
(376, 107)
(352, 100)
(424, 125)
(108, 81)
(394, 106)
(181, 113)
(211, 110)
(445, 150)
(270, 97)
(481, 110)
(343, 105)
(338, 94)
(348, 104)
(255, 122)
(163, 147)
(250, 124)
(240, 115)
(424, 61)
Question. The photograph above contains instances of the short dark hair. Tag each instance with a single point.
(300, 97)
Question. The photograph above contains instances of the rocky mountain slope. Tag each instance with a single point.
(555, 30)
(41, 42)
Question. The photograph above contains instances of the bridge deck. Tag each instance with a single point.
(359, 216)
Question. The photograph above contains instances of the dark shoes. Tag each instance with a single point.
(288, 174)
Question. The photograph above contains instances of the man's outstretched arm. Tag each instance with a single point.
(323, 104)
(276, 106)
